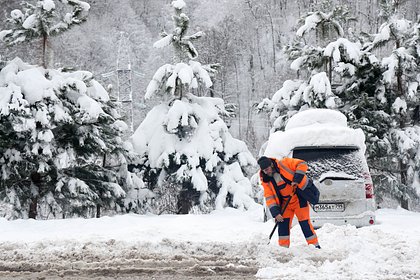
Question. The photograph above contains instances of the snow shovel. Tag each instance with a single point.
(281, 213)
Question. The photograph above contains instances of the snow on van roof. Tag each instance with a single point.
(322, 127)
(316, 116)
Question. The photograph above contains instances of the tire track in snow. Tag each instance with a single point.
(112, 258)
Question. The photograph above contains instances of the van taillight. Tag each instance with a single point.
(369, 190)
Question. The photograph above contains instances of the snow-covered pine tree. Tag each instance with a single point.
(43, 19)
(381, 97)
(190, 161)
(312, 88)
(398, 87)
(16, 124)
(62, 126)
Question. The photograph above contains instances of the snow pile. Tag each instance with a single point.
(219, 243)
(314, 127)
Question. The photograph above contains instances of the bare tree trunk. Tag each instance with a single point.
(403, 166)
(211, 91)
(273, 39)
(257, 31)
(404, 181)
(44, 50)
(259, 51)
(330, 70)
(33, 207)
(238, 96)
(253, 90)
(98, 211)
(98, 205)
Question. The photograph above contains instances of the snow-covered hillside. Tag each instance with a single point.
(226, 244)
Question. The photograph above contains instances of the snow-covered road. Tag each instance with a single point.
(226, 244)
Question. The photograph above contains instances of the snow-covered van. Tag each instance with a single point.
(335, 155)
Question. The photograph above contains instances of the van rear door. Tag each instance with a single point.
(336, 170)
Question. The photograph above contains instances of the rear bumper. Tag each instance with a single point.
(364, 219)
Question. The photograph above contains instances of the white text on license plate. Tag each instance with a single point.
(329, 207)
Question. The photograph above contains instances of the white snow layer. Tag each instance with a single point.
(320, 89)
(314, 127)
(353, 50)
(229, 239)
(178, 4)
(165, 41)
(295, 91)
(310, 23)
(30, 22)
(188, 74)
(316, 116)
(48, 5)
(16, 14)
(31, 82)
(398, 26)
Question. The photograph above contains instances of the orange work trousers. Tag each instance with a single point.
(302, 214)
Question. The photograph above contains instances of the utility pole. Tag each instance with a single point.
(124, 81)
(123, 94)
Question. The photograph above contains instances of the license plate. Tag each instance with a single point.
(329, 207)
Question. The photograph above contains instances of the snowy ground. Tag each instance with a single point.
(226, 244)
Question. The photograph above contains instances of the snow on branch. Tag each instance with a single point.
(319, 91)
(189, 75)
(165, 41)
(178, 4)
(234, 182)
(316, 18)
(352, 50)
(383, 35)
(43, 19)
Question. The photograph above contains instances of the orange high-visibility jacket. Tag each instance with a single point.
(293, 170)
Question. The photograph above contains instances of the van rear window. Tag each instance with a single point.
(337, 159)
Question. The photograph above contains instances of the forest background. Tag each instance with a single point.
(246, 37)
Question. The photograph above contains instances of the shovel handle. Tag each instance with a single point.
(281, 213)
(272, 232)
